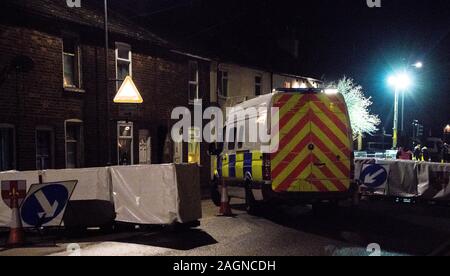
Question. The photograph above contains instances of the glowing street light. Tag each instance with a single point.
(418, 65)
(400, 82)
(447, 129)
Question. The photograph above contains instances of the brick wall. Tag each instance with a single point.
(38, 99)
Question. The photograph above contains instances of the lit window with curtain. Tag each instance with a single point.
(71, 62)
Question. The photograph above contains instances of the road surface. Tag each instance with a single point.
(397, 229)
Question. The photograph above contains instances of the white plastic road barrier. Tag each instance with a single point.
(154, 194)
(434, 181)
(93, 183)
(410, 179)
(157, 194)
(30, 177)
(402, 180)
(359, 163)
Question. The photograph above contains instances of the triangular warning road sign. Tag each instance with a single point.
(128, 93)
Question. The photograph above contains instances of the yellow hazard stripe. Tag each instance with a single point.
(343, 137)
(301, 135)
(332, 146)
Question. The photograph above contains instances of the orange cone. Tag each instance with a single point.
(16, 234)
(225, 208)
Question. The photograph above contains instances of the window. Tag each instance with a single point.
(123, 63)
(194, 146)
(71, 63)
(178, 153)
(44, 148)
(7, 147)
(125, 143)
(258, 85)
(74, 144)
(193, 82)
(223, 83)
(145, 147)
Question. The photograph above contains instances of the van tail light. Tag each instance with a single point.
(267, 169)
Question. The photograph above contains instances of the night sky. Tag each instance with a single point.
(337, 38)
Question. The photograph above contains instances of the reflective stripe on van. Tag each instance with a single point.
(315, 144)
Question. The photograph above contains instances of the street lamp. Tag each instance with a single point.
(400, 82)
(447, 129)
(108, 126)
(418, 65)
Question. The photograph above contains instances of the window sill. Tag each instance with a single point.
(74, 90)
(191, 102)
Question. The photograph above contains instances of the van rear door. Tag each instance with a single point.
(291, 165)
(331, 142)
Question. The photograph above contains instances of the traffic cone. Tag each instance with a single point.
(16, 233)
(225, 208)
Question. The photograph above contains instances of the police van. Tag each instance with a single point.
(310, 160)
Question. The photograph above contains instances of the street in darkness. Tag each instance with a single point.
(242, 131)
(282, 232)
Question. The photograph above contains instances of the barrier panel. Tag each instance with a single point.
(434, 181)
(31, 177)
(408, 179)
(157, 194)
(153, 194)
(402, 181)
(92, 203)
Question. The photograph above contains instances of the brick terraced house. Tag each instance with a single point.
(54, 108)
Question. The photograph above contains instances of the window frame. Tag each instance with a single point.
(117, 59)
(52, 145)
(80, 143)
(196, 82)
(14, 156)
(178, 149)
(259, 84)
(131, 137)
(77, 59)
(193, 131)
(222, 78)
(148, 141)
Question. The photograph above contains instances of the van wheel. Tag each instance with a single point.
(251, 205)
(215, 194)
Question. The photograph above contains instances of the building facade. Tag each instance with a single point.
(232, 83)
(55, 109)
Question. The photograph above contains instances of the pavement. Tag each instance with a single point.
(373, 228)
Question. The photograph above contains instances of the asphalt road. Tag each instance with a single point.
(396, 229)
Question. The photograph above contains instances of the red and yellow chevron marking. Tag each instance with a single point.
(316, 119)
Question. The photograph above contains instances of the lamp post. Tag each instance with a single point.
(108, 127)
(400, 83)
(418, 65)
